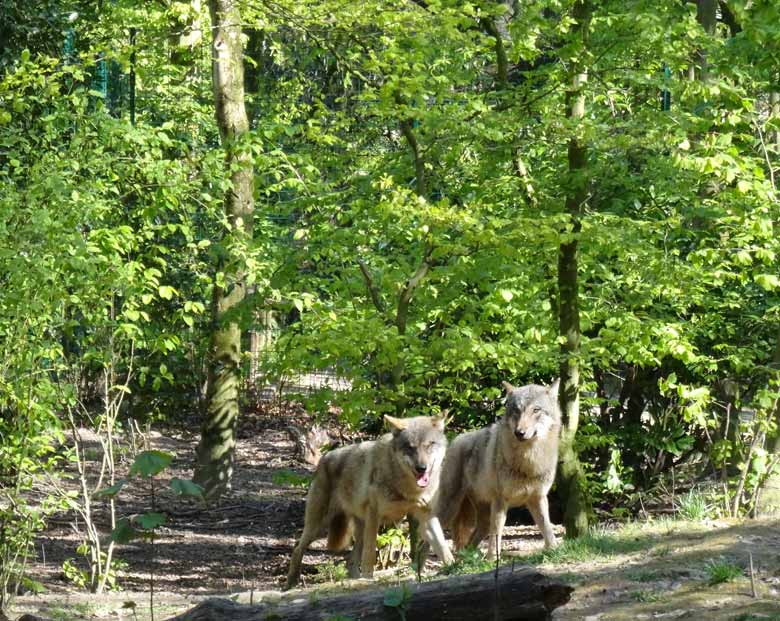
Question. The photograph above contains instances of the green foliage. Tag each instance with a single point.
(410, 207)
(331, 571)
(150, 463)
(392, 537)
(694, 506)
(184, 487)
(393, 544)
(721, 570)
(81, 577)
(398, 599)
(596, 544)
(288, 478)
(147, 465)
(646, 596)
(468, 561)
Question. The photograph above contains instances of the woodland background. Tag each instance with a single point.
(437, 196)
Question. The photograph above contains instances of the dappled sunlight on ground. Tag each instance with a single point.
(655, 570)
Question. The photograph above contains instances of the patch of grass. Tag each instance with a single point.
(288, 478)
(646, 596)
(74, 611)
(693, 506)
(468, 561)
(331, 571)
(722, 570)
(661, 551)
(594, 545)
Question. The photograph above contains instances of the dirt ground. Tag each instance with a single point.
(241, 548)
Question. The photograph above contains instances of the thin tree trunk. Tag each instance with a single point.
(706, 15)
(774, 102)
(215, 450)
(186, 34)
(407, 126)
(570, 473)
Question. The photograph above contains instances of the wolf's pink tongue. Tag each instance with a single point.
(422, 480)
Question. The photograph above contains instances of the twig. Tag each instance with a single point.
(768, 163)
(496, 614)
(753, 591)
(376, 298)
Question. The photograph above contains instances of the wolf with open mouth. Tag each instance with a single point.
(358, 488)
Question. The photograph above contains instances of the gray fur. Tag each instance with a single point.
(509, 464)
(357, 488)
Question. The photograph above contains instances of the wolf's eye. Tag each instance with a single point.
(537, 410)
(430, 445)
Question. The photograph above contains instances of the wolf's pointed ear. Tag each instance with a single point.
(508, 387)
(553, 389)
(397, 425)
(441, 420)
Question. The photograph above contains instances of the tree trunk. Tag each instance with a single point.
(523, 594)
(186, 34)
(706, 15)
(570, 474)
(215, 450)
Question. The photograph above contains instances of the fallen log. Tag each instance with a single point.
(521, 594)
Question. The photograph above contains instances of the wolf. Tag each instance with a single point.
(509, 464)
(359, 487)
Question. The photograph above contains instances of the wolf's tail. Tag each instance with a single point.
(339, 531)
(319, 514)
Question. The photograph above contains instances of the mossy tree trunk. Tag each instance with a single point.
(570, 474)
(217, 443)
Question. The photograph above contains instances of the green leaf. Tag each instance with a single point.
(769, 282)
(150, 521)
(184, 487)
(123, 532)
(110, 492)
(394, 598)
(150, 463)
(166, 292)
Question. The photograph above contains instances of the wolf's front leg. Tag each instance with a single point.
(356, 556)
(434, 535)
(370, 532)
(541, 513)
(497, 521)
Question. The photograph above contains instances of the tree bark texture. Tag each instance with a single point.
(215, 450)
(570, 474)
(522, 595)
(706, 15)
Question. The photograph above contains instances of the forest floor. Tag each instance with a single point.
(657, 569)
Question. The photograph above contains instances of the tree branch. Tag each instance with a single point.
(406, 295)
(372, 290)
(502, 63)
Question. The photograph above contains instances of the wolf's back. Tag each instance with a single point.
(453, 482)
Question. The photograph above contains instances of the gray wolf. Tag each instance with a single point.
(357, 488)
(509, 464)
